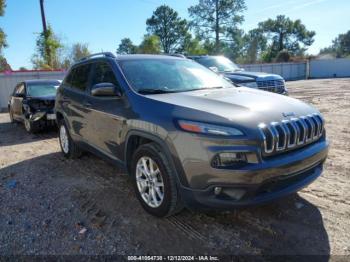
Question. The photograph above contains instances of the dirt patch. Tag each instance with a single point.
(51, 205)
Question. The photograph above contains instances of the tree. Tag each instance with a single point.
(169, 27)
(47, 51)
(2, 7)
(340, 46)
(4, 66)
(126, 46)
(78, 51)
(215, 19)
(192, 46)
(286, 34)
(150, 45)
(254, 45)
(72, 54)
(235, 48)
(283, 56)
(3, 42)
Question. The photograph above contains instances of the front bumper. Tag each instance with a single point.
(259, 194)
(263, 182)
(43, 116)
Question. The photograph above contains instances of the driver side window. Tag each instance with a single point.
(103, 73)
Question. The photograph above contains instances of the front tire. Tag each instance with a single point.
(154, 181)
(68, 147)
(30, 126)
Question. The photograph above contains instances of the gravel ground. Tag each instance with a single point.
(51, 205)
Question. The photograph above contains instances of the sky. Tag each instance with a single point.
(102, 23)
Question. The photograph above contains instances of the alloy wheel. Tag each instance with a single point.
(64, 139)
(27, 125)
(149, 182)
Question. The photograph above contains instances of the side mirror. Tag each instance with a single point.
(214, 69)
(20, 95)
(104, 89)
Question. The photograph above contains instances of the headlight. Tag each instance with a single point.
(250, 84)
(203, 128)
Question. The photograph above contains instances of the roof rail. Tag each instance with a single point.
(105, 54)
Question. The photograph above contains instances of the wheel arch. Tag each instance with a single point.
(135, 138)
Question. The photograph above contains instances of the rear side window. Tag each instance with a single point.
(103, 73)
(79, 77)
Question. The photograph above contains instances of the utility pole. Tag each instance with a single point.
(43, 16)
(43, 19)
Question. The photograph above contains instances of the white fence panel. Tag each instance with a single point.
(327, 68)
(289, 71)
(9, 80)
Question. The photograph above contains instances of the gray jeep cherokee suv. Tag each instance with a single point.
(186, 136)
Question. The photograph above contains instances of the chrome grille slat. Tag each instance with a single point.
(305, 130)
(319, 126)
(294, 132)
(277, 86)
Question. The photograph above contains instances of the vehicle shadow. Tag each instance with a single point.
(102, 198)
(15, 133)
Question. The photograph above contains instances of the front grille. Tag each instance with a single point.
(276, 86)
(292, 133)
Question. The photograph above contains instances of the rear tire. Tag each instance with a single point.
(154, 181)
(68, 147)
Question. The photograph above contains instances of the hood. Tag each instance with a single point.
(243, 106)
(244, 76)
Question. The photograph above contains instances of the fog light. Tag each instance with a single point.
(227, 159)
(217, 190)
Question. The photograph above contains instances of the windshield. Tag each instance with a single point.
(223, 64)
(169, 75)
(42, 89)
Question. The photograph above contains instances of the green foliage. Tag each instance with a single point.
(340, 46)
(234, 48)
(2, 7)
(283, 56)
(150, 45)
(169, 27)
(48, 50)
(3, 42)
(216, 20)
(126, 46)
(73, 54)
(78, 51)
(254, 45)
(192, 46)
(284, 33)
(4, 66)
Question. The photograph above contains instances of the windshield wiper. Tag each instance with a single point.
(202, 88)
(147, 91)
